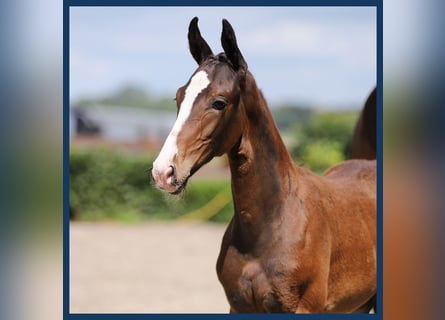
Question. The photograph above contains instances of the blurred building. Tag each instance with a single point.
(120, 124)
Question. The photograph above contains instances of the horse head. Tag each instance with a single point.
(209, 120)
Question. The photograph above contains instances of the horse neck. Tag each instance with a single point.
(261, 167)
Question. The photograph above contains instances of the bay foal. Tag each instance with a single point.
(297, 242)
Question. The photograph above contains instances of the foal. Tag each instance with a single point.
(297, 242)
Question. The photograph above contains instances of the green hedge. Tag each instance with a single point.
(106, 184)
(324, 140)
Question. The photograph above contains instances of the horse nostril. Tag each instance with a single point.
(169, 174)
(170, 171)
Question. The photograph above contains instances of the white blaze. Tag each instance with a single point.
(198, 83)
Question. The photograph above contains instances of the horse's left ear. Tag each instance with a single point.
(228, 41)
(199, 48)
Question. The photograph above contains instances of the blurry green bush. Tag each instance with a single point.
(106, 184)
(324, 140)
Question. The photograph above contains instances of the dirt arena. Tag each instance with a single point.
(145, 268)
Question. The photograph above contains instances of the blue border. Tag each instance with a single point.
(66, 173)
(380, 159)
(156, 316)
(224, 3)
(353, 3)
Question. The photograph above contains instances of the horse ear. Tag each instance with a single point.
(228, 41)
(199, 48)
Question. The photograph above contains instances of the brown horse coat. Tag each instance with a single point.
(297, 242)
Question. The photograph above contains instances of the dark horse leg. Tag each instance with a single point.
(368, 306)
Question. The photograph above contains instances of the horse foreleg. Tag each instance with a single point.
(314, 299)
(368, 307)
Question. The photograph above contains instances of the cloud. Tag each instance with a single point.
(295, 38)
(290, 37)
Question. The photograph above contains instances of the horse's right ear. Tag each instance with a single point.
(199, 48)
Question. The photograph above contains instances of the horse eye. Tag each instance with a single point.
(219, 104)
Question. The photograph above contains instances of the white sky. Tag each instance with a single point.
(324, 56)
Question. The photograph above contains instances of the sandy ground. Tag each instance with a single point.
(145, 268)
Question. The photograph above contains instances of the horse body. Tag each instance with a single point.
(269, 261)
(297, 242)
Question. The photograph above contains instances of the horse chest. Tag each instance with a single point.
(248, 285)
